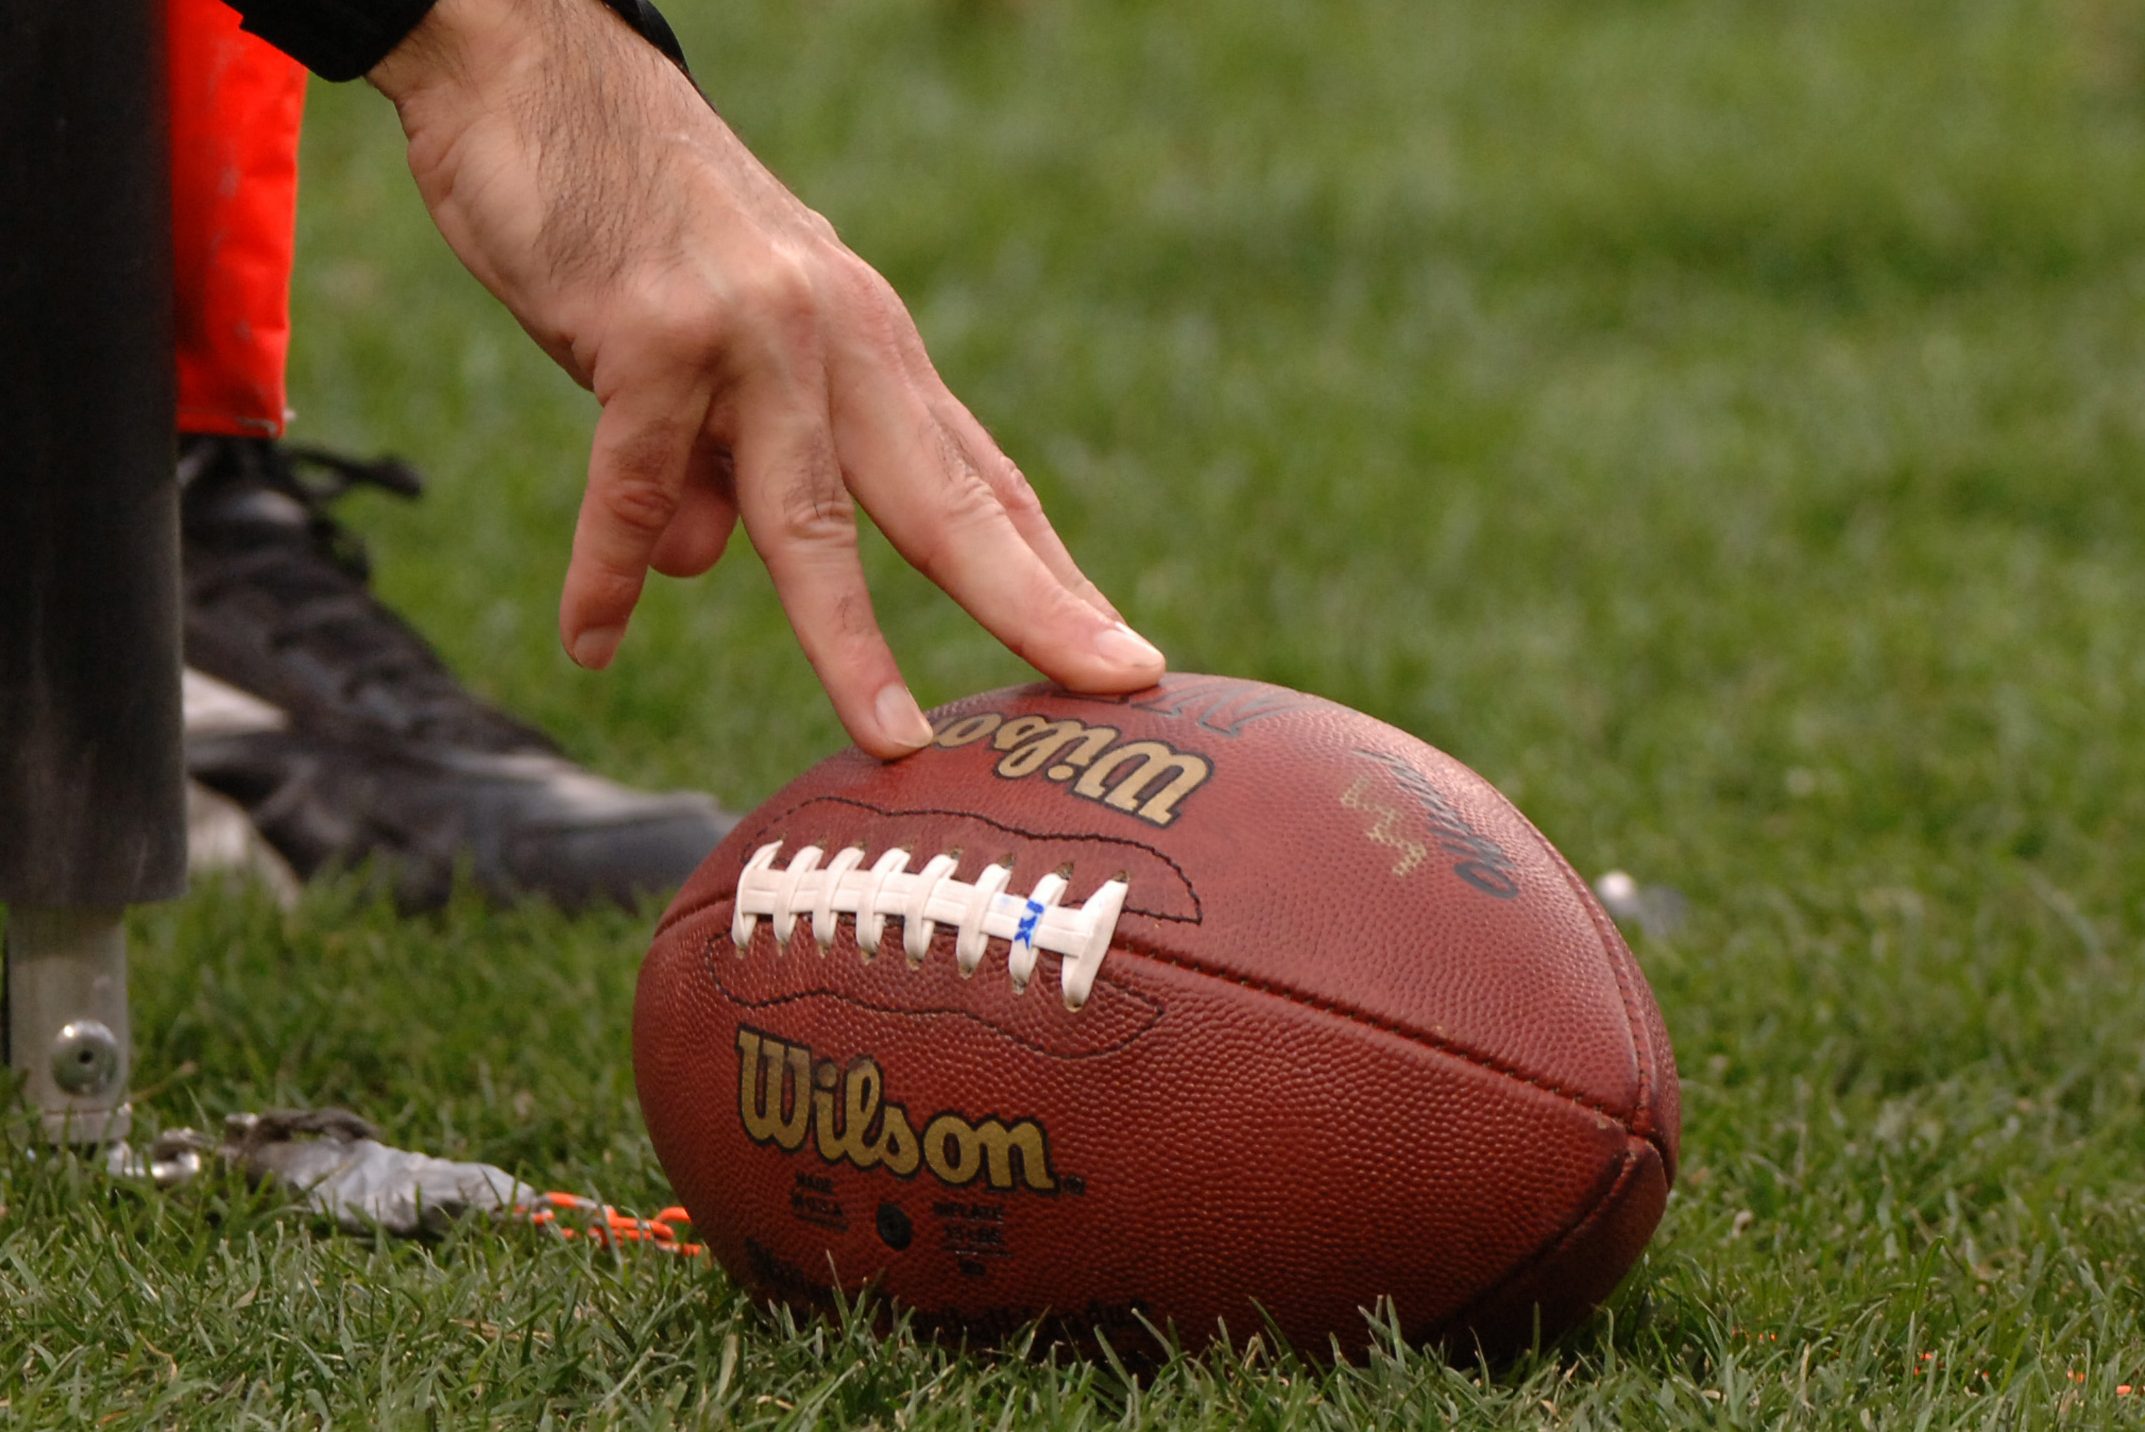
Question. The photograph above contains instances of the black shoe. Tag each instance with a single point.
(365, 747)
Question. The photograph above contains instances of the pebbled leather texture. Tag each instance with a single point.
(1361, 1034)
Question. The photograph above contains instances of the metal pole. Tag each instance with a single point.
(91, 768)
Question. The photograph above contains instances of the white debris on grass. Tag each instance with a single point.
(1657, 910)
(332, 1159)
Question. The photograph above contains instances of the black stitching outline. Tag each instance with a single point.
(1154, 1012)
(759, 834)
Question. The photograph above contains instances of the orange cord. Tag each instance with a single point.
(604, 1225)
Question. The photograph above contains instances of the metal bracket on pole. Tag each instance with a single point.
(67, 1025)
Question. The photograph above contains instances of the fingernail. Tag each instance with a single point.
(595, 647)
(1120, 645)
(901, 719)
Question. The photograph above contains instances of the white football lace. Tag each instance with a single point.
(977, 912)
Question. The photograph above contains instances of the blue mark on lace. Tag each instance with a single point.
(1025, 934)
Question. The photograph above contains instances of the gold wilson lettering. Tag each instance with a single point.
(1146, 779)
(1477, 858)
(1388, 828)
(791, 1099)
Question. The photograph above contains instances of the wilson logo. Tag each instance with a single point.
(1147, 779)
(791, 1099)
(1476, 858)
(1389, 826)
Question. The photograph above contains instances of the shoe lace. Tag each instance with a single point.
(320, 577)
(334, 475)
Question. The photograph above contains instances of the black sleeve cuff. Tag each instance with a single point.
(335, 39)
(649, 24)
(342, 39)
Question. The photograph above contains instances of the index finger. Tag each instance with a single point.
(952, 524)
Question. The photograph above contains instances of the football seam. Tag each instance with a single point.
(1441, 1044)
(1619, 1172)
(1642, 1051)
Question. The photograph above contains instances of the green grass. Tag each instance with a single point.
(1722, 424)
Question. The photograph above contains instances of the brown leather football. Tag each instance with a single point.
(1217, 1005)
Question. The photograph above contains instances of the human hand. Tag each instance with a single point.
(748, 364)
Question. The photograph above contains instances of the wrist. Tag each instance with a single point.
(460, 43)
(461, 39)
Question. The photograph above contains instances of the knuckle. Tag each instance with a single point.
(691, 336)
(855, 627)
(605, 590)
(678, 327)
(1012, 486)
(874, 314)
(970, 506)
(844, 644)
(639, 502)
(966, 512)
(867, 286)
(815, 512)
(781, 297)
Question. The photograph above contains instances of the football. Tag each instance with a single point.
(1214, 1009)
